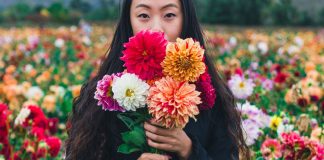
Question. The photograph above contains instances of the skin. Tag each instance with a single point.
(164, 16)
(157, 15)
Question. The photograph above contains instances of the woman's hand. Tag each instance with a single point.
(150, 156)
(172, 140)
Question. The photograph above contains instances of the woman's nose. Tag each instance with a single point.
(156, 26)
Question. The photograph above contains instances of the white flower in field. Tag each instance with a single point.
(281, 51)
(59, 43)
(73, 28)
(59, 91)
(242, 88)
(252, 48)
(86, 40)
(254, 65)
(233, 41)
(263, 47)
(251, 112)
(251, 131)
(299, 41)
(23, 114)
(34, 93)
(130, 91)
(293, 49)
(284, 128)
(28, 68)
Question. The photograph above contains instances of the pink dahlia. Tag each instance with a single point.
(208, 95)
(104, 94)
(144, 53)
(292, 143)
(172, 103)
(271, 149)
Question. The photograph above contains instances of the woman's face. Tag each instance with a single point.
(157, 15)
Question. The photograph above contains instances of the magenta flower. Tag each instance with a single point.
(104, 93)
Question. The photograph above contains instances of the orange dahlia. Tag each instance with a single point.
(184, 60)
(172, 103)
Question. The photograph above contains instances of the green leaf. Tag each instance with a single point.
(135, 137)
(134, 140)
(1, 146)
(126, 120)
(127, 149)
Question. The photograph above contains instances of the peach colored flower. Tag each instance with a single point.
(184, 60)
(317, 134)
(172, 103)
(76, 90)
(49, 103)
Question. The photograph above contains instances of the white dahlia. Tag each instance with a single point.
(130, 91)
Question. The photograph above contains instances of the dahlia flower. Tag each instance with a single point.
(144, 53)
(172, 103)
(271, 149)
(130, 92)
(208, 95)
(242, 88)
(184, 60)
(104, 94)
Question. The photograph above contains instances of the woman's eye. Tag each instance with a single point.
(143, 15)
(169, 15)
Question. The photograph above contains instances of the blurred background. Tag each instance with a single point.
(229, 12)
(270, 52)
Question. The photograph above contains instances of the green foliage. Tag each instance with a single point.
(232, 12)
(252, 12)
(58, 12)
(16, 12)
(321, 17)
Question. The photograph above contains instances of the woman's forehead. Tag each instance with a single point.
(156, 4)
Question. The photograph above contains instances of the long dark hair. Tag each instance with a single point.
(91, 128)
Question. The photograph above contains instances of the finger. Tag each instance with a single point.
(155, 123)
(159, 138)
(161, 146)
(157, 130)
(151, 156)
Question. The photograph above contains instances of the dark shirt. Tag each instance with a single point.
(210, 140)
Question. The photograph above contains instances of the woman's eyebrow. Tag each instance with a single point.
(164, 7)
(143, 5)
(170, 5)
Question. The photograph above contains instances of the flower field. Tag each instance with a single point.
(276, 76)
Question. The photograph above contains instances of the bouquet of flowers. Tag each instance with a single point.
(164, 81)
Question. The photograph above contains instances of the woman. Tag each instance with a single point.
(95, 134)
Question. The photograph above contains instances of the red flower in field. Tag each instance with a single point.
(291, 144)
(239, 71)
(17, 155)
(54, 145)
(52, 125)
(208, 93)
(39, 133)
(280, 77)
(276, 67)
(144, 53)
(36, 117)
(81, 55)
(4, 131)
(36, 111)
(40, 122)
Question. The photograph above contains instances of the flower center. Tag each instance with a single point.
(129, 93)
(110, 93)
(184, 63)
(144, 53)
(242, 85)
